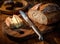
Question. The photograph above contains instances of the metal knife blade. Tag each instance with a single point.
(36, 30)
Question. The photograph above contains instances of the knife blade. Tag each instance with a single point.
(35, 29)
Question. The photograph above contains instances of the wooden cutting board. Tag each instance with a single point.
(23, 33)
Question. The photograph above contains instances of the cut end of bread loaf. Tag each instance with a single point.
(37, 16)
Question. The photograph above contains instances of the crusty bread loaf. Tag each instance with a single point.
(45, 14)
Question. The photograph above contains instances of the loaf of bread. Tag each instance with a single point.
(45, 13)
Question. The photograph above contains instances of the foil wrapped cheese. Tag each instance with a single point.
(14, 22)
